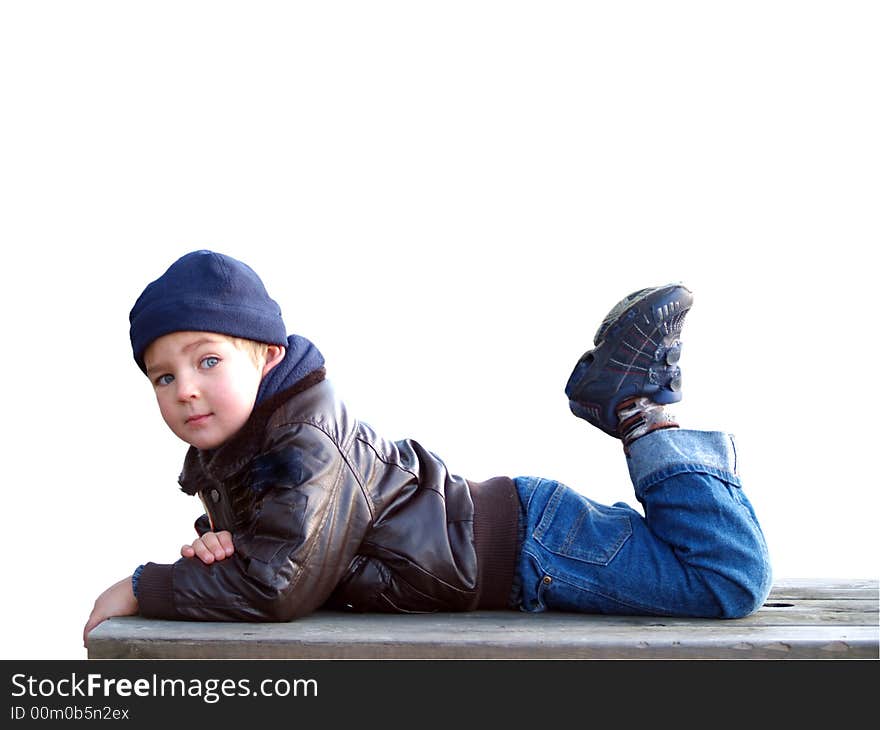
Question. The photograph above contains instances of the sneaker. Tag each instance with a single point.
(636, 352)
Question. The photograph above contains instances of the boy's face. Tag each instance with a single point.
(205, 385)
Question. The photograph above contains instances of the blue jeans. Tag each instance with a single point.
(698, 550)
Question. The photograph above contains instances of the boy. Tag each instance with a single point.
(307, 507)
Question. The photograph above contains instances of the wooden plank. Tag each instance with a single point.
(484, 635)
(805, 619)
(837, 589)
(444, 637)
(807, 612)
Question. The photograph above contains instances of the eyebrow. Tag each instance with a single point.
(152, 367)
(203, 341)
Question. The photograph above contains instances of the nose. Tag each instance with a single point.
(187, 388)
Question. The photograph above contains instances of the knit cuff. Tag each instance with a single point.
(496, 540)
(154, 592)
(135, 577)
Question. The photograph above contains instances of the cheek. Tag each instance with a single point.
(164, 407)
(240, 394)
(249, 380)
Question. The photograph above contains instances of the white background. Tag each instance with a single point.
(447, 198)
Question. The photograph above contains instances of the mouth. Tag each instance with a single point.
(197, 419)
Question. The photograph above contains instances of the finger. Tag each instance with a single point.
(225, 539)
(212, 542)
(90, 624)
(187, 551)
(202, 552)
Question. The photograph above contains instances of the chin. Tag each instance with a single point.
(202, 443)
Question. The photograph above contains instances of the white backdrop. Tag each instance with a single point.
(447, 198)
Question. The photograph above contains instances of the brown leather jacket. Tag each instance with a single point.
(325, 512)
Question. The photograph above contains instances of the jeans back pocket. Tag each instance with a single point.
(576, 527)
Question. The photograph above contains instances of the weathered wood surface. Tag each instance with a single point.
(800, 620)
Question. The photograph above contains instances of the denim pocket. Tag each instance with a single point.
(576, 527)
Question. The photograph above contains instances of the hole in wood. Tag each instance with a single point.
(778, 605)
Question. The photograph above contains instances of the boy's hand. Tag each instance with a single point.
(210, 547)
(117, 600)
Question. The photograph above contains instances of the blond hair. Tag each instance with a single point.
(258, 351)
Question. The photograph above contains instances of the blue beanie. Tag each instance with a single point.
(205, 291)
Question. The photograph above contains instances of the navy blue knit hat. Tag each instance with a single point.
(205, 291)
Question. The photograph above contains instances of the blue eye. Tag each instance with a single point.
(210, 362)
(164, 379)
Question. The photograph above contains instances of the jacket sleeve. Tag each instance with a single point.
(307, 527)
(202, 525)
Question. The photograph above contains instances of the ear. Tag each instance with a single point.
(274, 355)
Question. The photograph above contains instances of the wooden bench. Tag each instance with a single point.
(815, 619)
